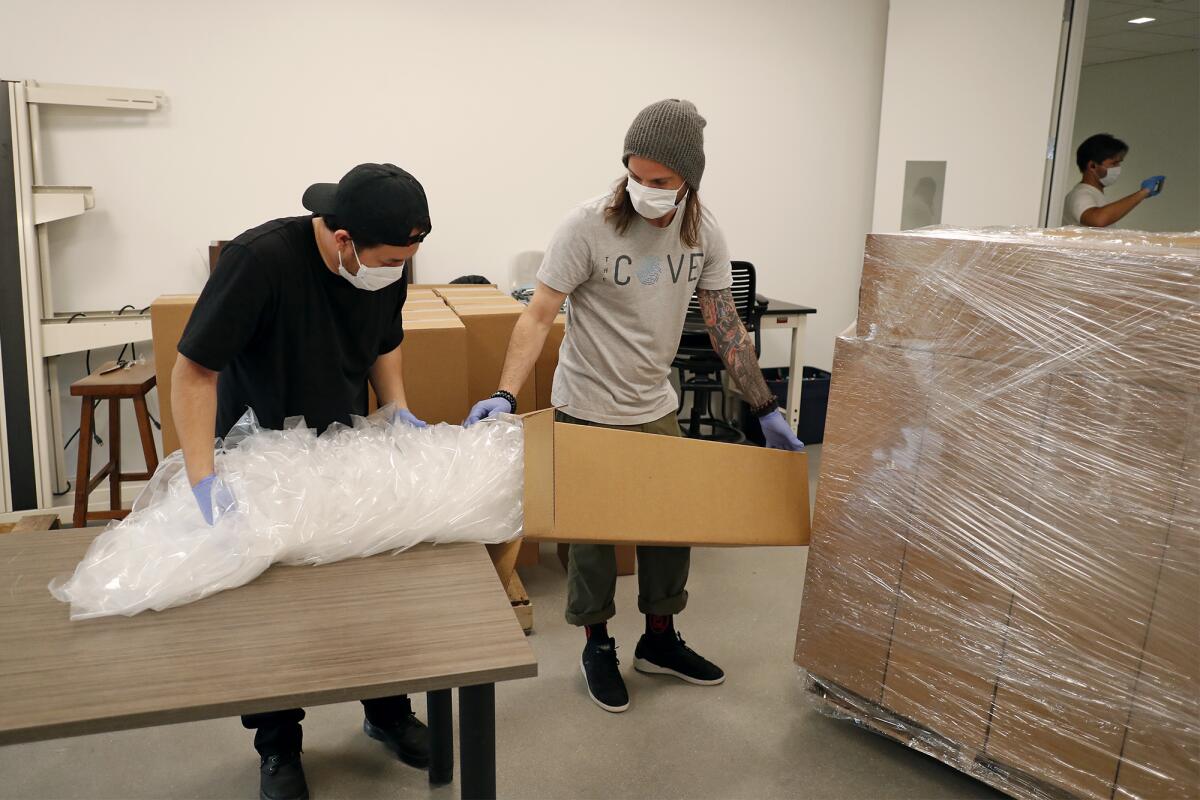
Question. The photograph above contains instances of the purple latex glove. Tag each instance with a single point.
(403, 415)
(777, 433)
(213, 497)
(487, 409)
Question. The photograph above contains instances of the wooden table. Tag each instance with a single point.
(428, 620)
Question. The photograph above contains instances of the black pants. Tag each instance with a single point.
(278, 733)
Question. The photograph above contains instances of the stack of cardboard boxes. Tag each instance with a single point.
(1005, 560)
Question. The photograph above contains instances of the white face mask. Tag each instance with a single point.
(652, 203)
(1111, 176)
(370, 279)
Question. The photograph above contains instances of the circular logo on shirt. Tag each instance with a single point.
(649, 270)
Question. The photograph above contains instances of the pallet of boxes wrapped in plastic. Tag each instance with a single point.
(1005, 561)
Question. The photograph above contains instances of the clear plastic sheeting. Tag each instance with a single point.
(1005, 561)
(300, 498)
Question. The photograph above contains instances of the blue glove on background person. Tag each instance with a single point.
(487, 409)
(403, 415)
(213, 497)
(777, 433)
(1154, 185)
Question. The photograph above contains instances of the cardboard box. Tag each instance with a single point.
(434, 358)
(588, 484)
(861, 520)
(489, 328)
(413, 304)
(547, 363)
(949, 633)
(996, 574)
(1033, 298)
(1161, 757)
(461, 289)
(434, 361)
(1079, 623)
(169, 315)
(456, 301)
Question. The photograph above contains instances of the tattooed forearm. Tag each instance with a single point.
(733, 344)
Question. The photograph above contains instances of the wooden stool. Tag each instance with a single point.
(130, 382)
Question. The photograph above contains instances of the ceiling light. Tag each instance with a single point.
(1141, 20)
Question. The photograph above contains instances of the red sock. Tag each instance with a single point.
(660, 624)
(600, 629)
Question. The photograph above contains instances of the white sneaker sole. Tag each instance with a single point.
(648, 668)
(608, 708)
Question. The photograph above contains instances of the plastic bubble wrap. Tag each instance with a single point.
(300, 498)
(1005, 561)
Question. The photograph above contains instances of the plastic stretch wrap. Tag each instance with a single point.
(300, 498)
(1005, 560)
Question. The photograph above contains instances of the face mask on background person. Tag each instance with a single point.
(652, 203)
(370, 279)
(1111, 176)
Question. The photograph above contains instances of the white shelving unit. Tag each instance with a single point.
(50, 333)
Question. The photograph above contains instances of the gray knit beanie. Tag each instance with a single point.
(670, 132)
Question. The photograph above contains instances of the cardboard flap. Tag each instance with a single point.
(614, 486)
(539, 472)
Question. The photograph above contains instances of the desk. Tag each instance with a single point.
(778, 315)
(428, 620)
(781, 314)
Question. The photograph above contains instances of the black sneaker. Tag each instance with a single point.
(604, 683)
(408, 739)
(282, 778)
(668, 654)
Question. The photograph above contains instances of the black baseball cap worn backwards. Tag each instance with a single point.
(377, 201)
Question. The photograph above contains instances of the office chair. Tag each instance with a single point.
(700, 366)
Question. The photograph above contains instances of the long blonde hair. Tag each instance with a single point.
(620, 212)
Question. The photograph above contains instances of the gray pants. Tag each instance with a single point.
(592, 568)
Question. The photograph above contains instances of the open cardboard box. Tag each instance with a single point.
(596, 485)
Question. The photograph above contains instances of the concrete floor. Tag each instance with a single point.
(756, 736)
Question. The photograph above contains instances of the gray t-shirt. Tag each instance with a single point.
(628, 299)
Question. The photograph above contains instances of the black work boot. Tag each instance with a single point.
(604, 683)
(407, 737)
(281, 777)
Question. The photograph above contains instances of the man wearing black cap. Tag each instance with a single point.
(298, 315)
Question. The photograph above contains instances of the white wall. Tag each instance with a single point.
(971, 83)
(1153, 104)
(509, 113)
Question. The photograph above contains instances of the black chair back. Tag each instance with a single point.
(743, 297)
(695, 342)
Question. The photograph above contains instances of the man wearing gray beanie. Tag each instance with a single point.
(630, 261)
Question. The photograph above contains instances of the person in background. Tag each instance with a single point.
(630, 260)
(298, 315)
(1099, 159)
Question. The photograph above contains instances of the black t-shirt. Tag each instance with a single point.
(289, 337)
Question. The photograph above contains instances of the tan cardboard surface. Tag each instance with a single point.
(588, 484)
(489, 328)
(858, 541)
(169, 315)
(1002, 301)
(434, 351)
(1078, 627)
(1161, 757)
(484, 300)
(949, 631)
(1087, 355)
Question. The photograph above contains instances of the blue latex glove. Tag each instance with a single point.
(1154, 185)
(213, 497)
(403, 415)
(487, 409)
(777, 433)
